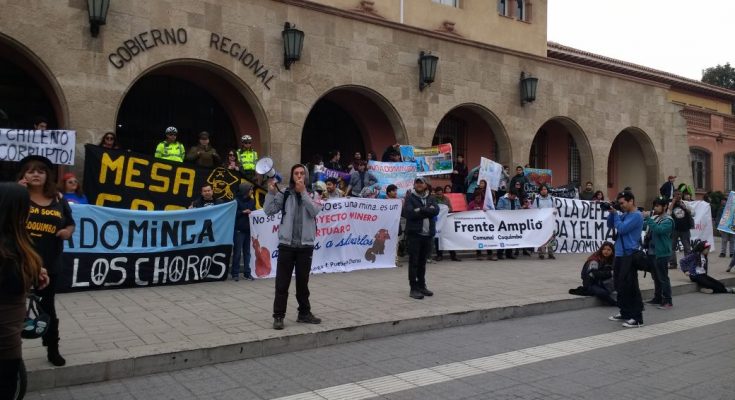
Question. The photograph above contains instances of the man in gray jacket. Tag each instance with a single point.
(360, 178)
(295, 243)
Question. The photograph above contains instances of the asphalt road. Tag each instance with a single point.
(684, 353)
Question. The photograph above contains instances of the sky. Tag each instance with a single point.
(678, 36)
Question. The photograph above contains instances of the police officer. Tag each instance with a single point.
(247, 157)
(170, 149)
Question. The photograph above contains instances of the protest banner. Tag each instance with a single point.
(536, 177)
(352, 234)
(488, 230)
(702, 222)
(434, 160)
(323, 173)
(113, 248)
(56, 145)
(401, 174)
(581, 226)
(491, 172)
(727, 221)
(124, 179)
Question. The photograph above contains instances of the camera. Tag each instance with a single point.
(609, 205)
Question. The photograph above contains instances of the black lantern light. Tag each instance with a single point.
(97, 14)
(427, 69)
(528, 88)
(293, 42)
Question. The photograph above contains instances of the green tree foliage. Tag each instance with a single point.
(721, 75)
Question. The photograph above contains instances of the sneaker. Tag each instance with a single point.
(456, 259)
(552, 257)
(729, 268)
(722, 255)
(438, 258)
(706, 290)
(632, 323)
(731, 290)
(665, 306)
(309, 319)
(278, 323)
(429, 260)
(654, 301)
(236, 278)
(492, 258)
(249, 278)
(416, 294)
(616, 317)
(426, 292)
(541, 256)
(526, 253)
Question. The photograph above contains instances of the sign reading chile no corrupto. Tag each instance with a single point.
(56, 145)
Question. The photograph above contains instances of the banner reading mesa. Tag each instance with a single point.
(113, 248)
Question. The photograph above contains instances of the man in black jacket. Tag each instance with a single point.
(419, 209)
(667, 189)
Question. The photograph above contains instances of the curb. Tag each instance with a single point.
(49, 378)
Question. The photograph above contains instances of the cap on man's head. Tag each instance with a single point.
(204, 135)
(672, 177)
(421, 179)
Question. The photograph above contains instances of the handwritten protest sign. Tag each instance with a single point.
(702, 222)
(56, 145)
(401, 174)
(114, 248)
(581, 226)
(491, 172)
(434, 160)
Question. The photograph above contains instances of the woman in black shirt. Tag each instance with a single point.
(49, 224)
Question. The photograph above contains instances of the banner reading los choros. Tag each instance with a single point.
(351, 234)
(113, 248)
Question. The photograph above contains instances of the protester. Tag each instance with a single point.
(728, 240)
(696, 266)
(332, 191)
(459, 175)
(599, 196)
(441, 199)
(683, 223)
(391, 192)
(206, 199)
(667, 189)
(597, 275)
(588, 193)
(509, 201)
(316, 168)
(519, 177)
(170, 149)
(247, 157)
(20, 268)
(333, 163)
(448, 189)
(394, 155)
(419, 209)
(231, 162)
(545, 200)
(629, 224)
(295, 243)
(478, 203)
(371, 156)
(241, 241)
(320, 192)
(360, 178)
(72, 189)
(203, 154)
(389, 155)
(471, 183)
(660, 225)
(40, 123)
(50, 222)
(109, 141)
(356, 159)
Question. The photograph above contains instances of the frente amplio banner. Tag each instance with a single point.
(492, 230)
(113, 248)
(56, 145)
(351, 234)
(135, 181)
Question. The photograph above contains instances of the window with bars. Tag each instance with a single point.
(452, 130)
(453, 3)
(700, 167)
(537, 158)
(575, 163)
(730, 172)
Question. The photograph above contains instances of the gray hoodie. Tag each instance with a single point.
(298, 225)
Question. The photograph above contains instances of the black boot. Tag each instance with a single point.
(52, 344)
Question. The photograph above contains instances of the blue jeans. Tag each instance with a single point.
(241, 247)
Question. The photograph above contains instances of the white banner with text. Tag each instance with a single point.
(490, 230)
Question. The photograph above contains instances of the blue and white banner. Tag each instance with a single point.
(113, 248)
(401, 174)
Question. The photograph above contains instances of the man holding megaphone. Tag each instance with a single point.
(296, 236)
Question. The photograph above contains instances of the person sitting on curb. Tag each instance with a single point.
(597, 275)
(695, 266)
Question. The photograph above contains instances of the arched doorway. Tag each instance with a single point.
(562, 146)
(475, 132)
(633, 163)
(350, 119)
(193, 97)
(26, 93)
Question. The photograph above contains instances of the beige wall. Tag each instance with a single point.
(476, 20)
(698, 100)
(341, 52)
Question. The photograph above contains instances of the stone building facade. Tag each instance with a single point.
(585, 120)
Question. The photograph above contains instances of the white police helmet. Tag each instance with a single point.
(171, 129)
(246, 138)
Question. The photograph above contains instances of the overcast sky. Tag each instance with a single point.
(678, 36)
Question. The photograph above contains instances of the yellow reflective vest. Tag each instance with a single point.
(247, 159)
(170, 151)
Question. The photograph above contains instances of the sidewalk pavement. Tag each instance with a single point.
(131, 332)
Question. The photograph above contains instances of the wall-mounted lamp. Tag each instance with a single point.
(293, 42)
(427, 69)
(97, 14)
(528, 88)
